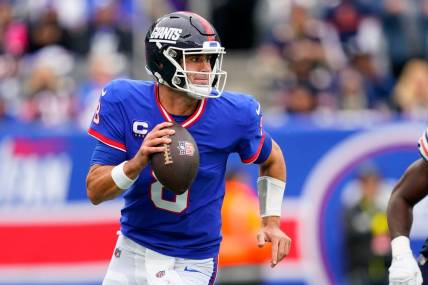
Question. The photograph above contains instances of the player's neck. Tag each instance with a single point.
(176, 103)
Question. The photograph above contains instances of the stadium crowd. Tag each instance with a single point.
(311, 56)
(57, 55)
(348, 55)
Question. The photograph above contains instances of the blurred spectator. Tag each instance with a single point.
(46, 31)
(106, 33)
(361, 84)
(366, 230)
(300, 100)
(347, 16)
(102, 68)
(302, 45)
(239, 223)
(49, 88)
(350, 90)
(13, 33)
(402, 28)
(304, 48)
(71, 13)
(271, 68)
(377, 83)
(240, 226)
(313, 56)
(10, 83)
(73, 16)
(411, 91)
(424, 23)
(4, 116)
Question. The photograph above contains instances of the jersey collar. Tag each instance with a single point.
(189, 121)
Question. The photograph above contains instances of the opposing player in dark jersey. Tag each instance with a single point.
(412, 188)
(166, 238)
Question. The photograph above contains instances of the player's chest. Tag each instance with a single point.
(213, 145)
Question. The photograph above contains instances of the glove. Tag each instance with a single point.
(403, 270)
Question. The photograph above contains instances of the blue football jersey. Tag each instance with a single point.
(186, 225)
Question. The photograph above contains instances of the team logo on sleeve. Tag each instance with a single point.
(186, 148)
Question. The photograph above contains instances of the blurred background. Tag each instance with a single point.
(344, 88)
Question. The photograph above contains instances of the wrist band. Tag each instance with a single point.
(400, 246)
(119, 177)
(271, 194)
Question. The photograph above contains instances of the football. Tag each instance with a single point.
(177, 166)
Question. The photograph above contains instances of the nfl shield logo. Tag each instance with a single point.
(186, 148)
(160, 274)
(117, 252)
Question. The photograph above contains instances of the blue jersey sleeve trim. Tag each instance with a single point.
(106, 140)
(105, 155)
(256, 154)
(266, 150)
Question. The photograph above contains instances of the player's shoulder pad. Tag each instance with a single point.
(248, 109)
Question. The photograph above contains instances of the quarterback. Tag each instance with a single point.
(166, 238)
(412, 188)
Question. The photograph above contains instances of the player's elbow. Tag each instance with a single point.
(275, 164)
(94, 184)
(397, 200)
(92, 195)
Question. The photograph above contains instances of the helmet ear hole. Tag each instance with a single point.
(173, 53)
(177, 80)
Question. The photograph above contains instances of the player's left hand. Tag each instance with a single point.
(270, 232)
(404, 271)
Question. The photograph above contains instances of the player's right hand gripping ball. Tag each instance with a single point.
(176, 168)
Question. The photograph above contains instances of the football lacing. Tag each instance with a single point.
(167, 154)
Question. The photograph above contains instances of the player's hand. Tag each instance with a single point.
(404, 271)
(270, 232)
(153, 142)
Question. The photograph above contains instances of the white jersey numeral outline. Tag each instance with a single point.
(179, 205)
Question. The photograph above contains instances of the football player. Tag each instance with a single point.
(166, 238)
(411, 188)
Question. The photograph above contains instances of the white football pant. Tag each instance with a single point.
(133, 264)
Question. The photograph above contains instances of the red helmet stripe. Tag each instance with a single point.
(207, 27)
(205, 24)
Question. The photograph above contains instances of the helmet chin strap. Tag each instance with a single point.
(192, 91)
(195, 96)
